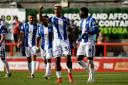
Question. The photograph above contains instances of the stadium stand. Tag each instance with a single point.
(71, 3)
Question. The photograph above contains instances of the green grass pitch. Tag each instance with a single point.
(80, 78)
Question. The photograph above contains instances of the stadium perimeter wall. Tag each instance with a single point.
(102, 64)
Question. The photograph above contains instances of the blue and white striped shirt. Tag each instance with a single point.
(2, 29)
(2, 32)
(89, 26)
(60, 26)
(46, 34)
(30, 31)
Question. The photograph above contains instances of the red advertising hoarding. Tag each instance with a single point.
(102, 64)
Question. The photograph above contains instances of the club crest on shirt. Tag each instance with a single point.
(50, 30)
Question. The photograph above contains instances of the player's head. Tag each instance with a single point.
(1, 21)
(58, 9)
(45, 19)
(84, 12)
(16, 18)
(30, 18)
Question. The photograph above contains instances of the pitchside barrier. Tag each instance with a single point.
(102, 64)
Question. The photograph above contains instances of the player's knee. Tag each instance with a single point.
(68, 58)
(2, 59)
(58, 66)
(58, 59)
(29, 59)
(80, 57)
(45, 61)
(90, 62)
(69, 62)
(49, 60)
(34, 57)
(79, 61)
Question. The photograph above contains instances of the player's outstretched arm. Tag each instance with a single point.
(37, 44)
(40, 12)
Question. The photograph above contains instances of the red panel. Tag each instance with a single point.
(102, 64)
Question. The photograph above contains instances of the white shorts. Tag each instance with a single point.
(87, 50)
(46, 54)
(61, 47)
(30, 51)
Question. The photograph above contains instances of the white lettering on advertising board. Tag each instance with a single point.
(108, 65)
(20, 65)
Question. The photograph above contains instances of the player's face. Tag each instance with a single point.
(82, 14)
(16, 19)
(57, 10)
(44, 20)
(30, 19)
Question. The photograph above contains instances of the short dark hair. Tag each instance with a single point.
(46, 16)
(85, 10)
(58, 5)
(15, 17)
(31, 14)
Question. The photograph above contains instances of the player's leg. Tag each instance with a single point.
(91, 70)
(48, 69)
(80, 57)
(69, 63)
(8, 74)
(33, 62)
(33, 65)
(90, 52)
(43, 55)
(28, 55)
(57, 52)
(82, 63)
(45, 61)
(67, 52)
(47, 58)
(29, 63)
(58, 69)
(69, 67)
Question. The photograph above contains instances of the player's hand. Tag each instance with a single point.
(77, 42)
(74, 44)
(41, 7)
(84, 34)
(19, 44)
(37, 49)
